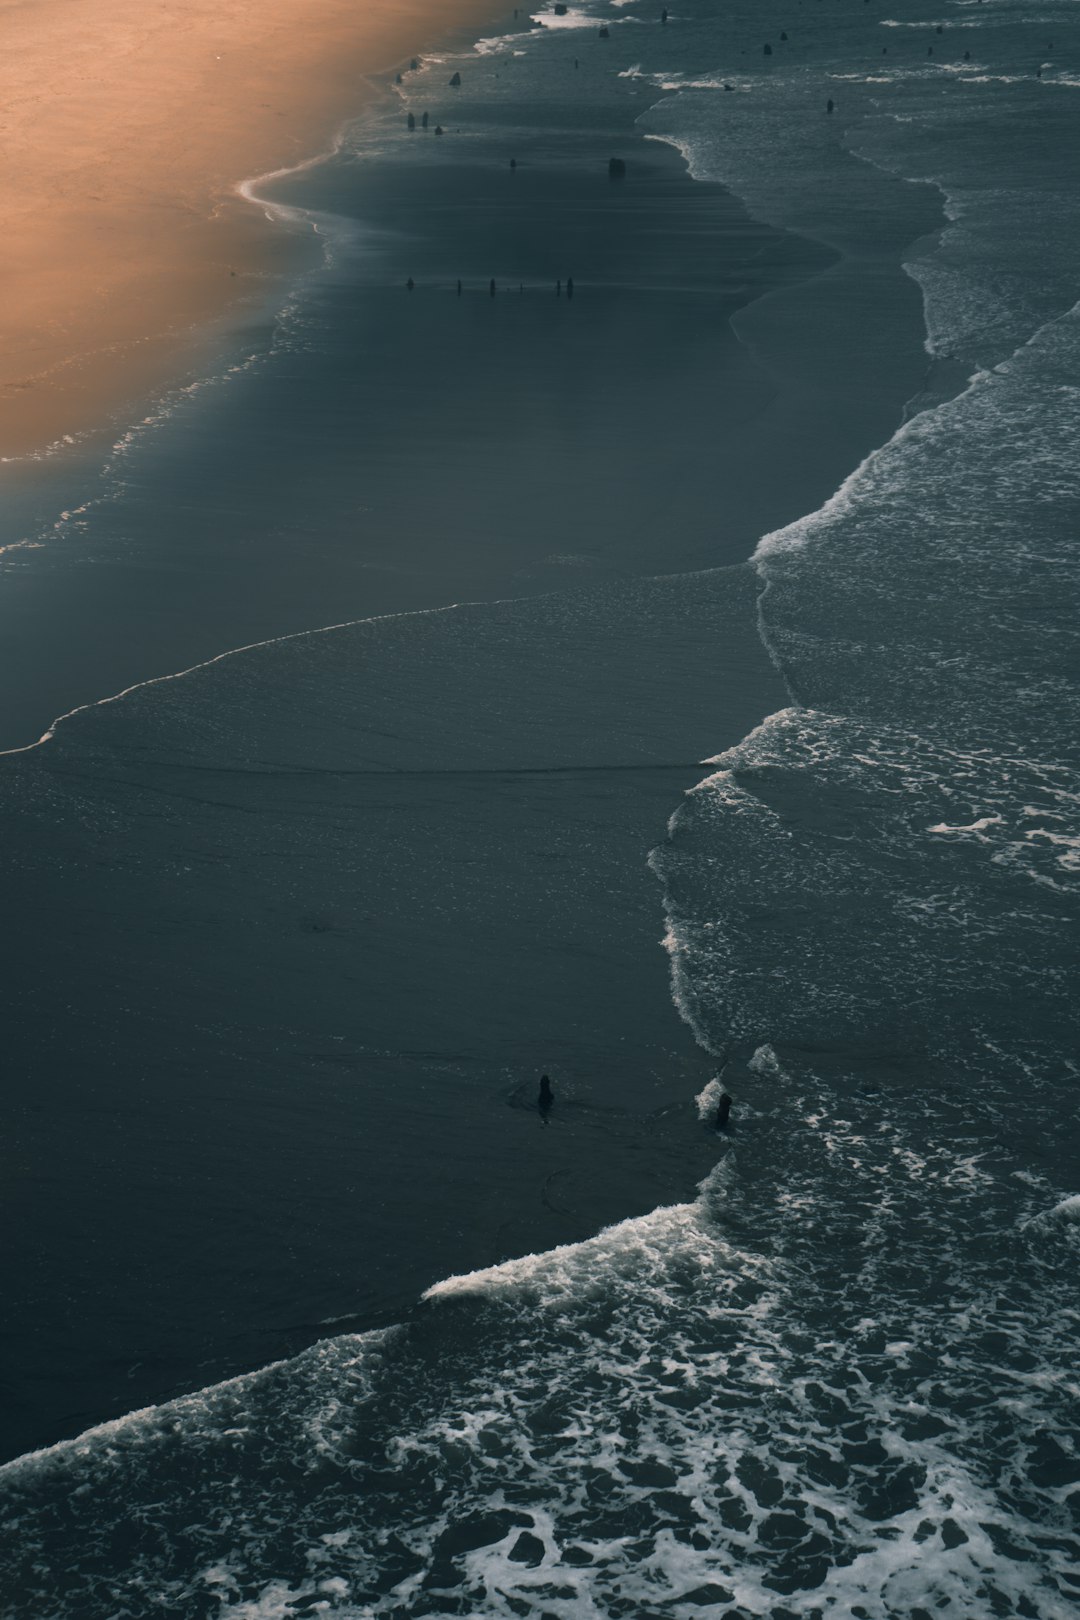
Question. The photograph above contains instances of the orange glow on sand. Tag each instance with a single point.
(127, 126)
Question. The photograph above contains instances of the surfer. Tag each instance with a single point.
(546, 1100)
(723, 1109)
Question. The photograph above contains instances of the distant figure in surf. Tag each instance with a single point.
(459, 289)
(569, 286)
(410, 284)
(723, 1109)
(491, 287)
(546, 1100)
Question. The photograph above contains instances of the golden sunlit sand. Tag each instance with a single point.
(126, 127)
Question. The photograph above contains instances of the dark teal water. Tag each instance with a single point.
(841, 1381)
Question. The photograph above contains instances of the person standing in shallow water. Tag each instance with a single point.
(723, 1109)
(546, 1100)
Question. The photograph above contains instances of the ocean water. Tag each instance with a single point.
(842, 1379)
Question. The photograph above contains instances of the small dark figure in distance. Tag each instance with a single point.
(616, 169)
(438, 129)
(491, 287)
(663, 15)
(513, 163)
(569, 286)
(456, 81)
(410, 284)
(558, 289)
(603, 33)
(829, 105)
(767, 51)
(424, 121)
(546, 1100)
(414, 65)
(459, 289)
(723, 1109)
(412, 121)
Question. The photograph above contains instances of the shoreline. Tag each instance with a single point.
(423, 1080)
(137, 234)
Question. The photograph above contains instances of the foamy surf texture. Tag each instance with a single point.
(776, 1399)
(842, 1381)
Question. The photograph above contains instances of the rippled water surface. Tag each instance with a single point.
(842, 1381)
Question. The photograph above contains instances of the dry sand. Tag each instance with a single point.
(126, 126)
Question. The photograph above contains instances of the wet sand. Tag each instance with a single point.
(127, 126)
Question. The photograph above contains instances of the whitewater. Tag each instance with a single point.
(842, 1380)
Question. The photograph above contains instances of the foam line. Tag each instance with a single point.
(231, 652)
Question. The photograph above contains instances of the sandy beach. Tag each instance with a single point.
(127, 125)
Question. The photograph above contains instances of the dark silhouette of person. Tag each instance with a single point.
(412, 121)
(569, 286)
(491, 287)
(546, 1100)
(723, 1109)
(459, 289)
(410, 284)
(424, 120)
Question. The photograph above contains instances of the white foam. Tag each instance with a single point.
(575, 17)
(574, 1269)
(708, 1099)
(1067, 1210)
